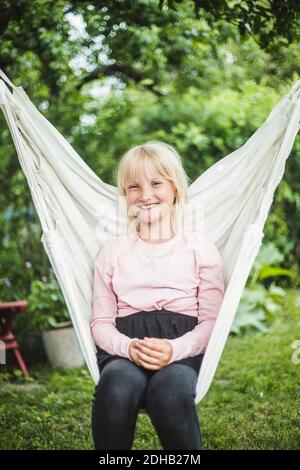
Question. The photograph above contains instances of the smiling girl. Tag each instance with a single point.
(157, 292)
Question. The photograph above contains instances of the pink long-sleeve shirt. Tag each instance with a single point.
(188, 279)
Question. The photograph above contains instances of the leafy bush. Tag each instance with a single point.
(260, 304)
(47, 308)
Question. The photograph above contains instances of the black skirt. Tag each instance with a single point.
(155, 324)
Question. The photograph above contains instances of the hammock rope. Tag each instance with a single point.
(79, 212)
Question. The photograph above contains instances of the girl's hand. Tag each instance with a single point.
(153, 353)
(133, 352)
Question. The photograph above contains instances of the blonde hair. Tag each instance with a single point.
(139, 160)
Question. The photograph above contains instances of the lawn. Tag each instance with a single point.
(253, 402)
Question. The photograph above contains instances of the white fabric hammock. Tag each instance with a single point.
(236, 193)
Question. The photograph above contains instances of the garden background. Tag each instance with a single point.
(110, 75)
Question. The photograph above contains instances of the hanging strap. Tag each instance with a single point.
(6, 79)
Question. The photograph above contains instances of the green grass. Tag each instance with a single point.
(253, 402)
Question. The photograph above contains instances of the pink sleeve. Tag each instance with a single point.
(105, 308)
(210, 297)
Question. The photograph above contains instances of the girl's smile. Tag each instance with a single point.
(149, 206)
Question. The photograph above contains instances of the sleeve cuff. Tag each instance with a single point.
(127, 348)
(177, 353)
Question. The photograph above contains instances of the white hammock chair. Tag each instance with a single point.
(236, 192)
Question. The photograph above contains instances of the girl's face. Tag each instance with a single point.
(150, 199)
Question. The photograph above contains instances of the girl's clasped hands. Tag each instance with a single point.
(151, 353)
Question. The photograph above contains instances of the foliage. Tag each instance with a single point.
(270, 22)
(47, 307)
(261, 304)
(197, 83)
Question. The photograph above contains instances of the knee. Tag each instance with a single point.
(171, 391)
(119, 387)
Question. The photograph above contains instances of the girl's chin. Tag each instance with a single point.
(148, 217)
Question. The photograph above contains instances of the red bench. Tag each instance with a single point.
(8, 312)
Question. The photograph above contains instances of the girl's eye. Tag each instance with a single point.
(134, 186)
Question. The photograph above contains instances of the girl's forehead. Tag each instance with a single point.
(143, 169)
(141, 180)
(149, 176)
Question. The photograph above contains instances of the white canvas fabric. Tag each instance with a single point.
(79, 212)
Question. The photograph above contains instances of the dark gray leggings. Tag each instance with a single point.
(167, 394)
